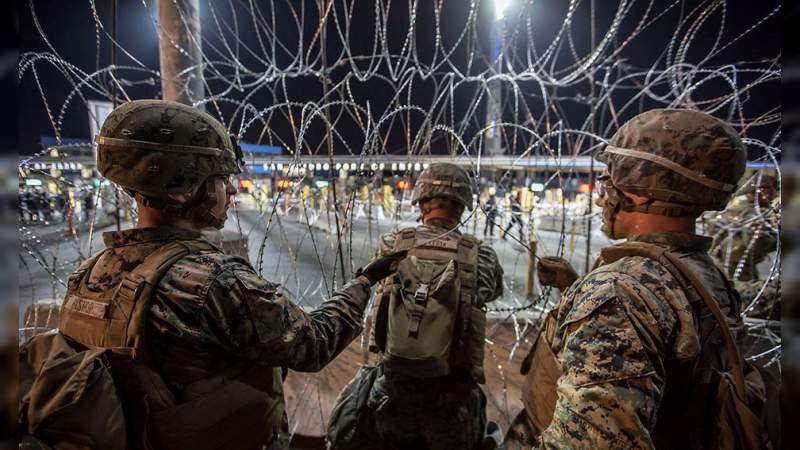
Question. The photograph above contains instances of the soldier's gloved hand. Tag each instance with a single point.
(381, 267)
(556, 272)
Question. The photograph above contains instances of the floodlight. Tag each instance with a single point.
(500, 8)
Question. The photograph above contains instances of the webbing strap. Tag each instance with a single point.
(173, 148)
(138, 286)
(673, 166)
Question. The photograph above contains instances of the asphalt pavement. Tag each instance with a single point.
(298, 249)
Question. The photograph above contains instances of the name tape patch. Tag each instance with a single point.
(85, 306)
(447, 244)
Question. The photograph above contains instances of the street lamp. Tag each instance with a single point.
(500, 7)
(494, 105)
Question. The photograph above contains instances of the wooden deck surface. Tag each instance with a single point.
(310, 397)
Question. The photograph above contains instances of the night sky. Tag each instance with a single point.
(71, 31)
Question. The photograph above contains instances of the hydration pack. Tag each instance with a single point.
(428, 321)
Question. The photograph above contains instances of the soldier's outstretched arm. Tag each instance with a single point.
(255, 320)
(612, 378)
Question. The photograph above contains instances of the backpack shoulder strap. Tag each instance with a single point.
(467, 263)
(685, 275)
(138, 286)
(405, 239)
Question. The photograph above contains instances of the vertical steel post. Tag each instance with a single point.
(180, 51)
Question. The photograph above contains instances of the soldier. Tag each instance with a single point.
(638, 353)
(430, 324)
(490, 209)
(744, 235)
(208, 335)
(515, 218)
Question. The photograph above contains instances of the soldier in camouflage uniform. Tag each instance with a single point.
(445, 412)
(213, 320)
(744, 235)
(617, 362)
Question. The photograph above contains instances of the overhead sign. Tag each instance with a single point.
(98, 111)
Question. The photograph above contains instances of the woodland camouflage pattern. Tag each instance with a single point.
(151, 171)
(622, 336)
(692, 139)
(433, 182)
(436, 414)
(212, 314)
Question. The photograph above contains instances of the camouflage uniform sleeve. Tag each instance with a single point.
(261, 323)
(490, 275)
(610, 345)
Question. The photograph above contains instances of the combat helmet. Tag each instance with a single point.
(156, 147)
(687, 159)
(446, 180)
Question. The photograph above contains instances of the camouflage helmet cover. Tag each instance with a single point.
(445, 180)
(677, 156)
(158, 146)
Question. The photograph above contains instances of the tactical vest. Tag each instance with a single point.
(429, 323)
(241, 408)
(718, 403)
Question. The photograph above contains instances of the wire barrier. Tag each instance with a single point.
(359, 97)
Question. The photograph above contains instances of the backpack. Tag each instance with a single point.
(744, 395)
(428, 321)
(79, 382)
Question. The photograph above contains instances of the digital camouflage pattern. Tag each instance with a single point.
(444, 180)
(213, 315)
(438, 413)
(624, 337)
(158, 146)
(693, 140)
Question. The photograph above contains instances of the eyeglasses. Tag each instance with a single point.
(605, 184)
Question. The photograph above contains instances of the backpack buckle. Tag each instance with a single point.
(421, 295)
(420, 301)
(129, 289)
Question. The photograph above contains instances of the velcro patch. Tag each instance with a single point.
(85, 306)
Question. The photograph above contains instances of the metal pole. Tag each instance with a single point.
(180, 52)
(590, 210)
(323, 10)
(114, 93)
(494, 101)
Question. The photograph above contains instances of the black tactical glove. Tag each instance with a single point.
(382, 267)
(556, 272)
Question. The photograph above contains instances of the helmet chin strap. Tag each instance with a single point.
(617, 201)
(199, 209)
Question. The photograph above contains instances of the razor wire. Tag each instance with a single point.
(365, 92)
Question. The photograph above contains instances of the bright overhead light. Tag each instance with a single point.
(500, 7)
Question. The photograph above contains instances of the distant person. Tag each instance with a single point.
(515, 218)
(88, 205)
(490, 209)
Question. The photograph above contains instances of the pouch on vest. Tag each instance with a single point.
(424, 328)
(67, 395)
